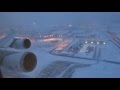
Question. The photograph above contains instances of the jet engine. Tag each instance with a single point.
(19, 43)
(16, 60)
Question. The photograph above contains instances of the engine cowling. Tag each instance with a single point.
(23, 61)
(20, 43)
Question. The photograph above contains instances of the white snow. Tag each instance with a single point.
(101, 70)
(98, 67)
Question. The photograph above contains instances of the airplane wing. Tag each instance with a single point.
(12, 55)
(6, 41)
(7, 38)
(13, 40)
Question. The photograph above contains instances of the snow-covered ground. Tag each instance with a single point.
(101, 70)
(102, 62)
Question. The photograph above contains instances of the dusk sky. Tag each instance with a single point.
(44, 19)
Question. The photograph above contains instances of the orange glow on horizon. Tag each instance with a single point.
(62, 45)
(51, 39)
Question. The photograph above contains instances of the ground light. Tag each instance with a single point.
(86, 42)
(104, 43)
(98, 43)
(91, 42)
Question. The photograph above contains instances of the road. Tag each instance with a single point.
(60, 69)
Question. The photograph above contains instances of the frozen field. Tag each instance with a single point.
(71, 54)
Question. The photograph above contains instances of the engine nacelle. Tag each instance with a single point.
(20, 43)
(17, 60)
(23, 62)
